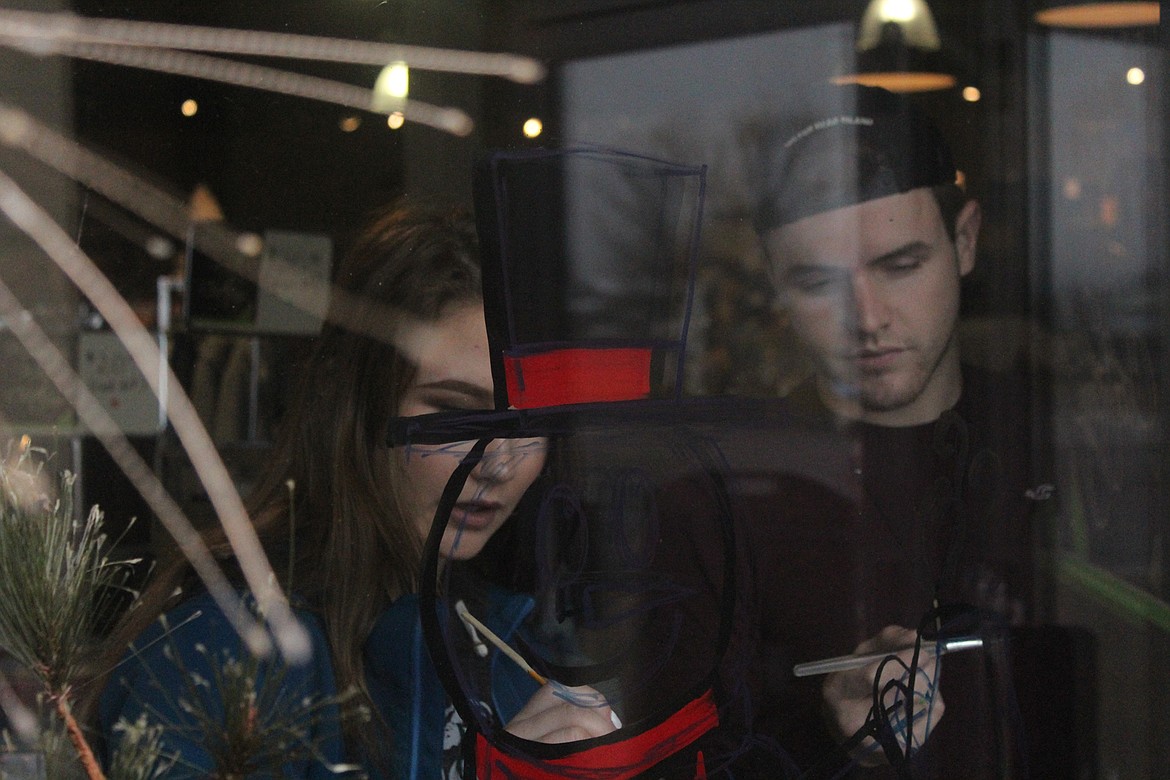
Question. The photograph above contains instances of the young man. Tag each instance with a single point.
(868, 238)
(873, 290)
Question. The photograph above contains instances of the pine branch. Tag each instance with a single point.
(54, 578)
(89, 762)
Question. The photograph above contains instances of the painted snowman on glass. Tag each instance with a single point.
(598, 589)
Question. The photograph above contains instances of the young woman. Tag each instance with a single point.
(361, 511)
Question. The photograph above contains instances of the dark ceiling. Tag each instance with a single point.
(282, 162)
(271, 160)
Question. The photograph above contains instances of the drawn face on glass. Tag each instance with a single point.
(873, 291)
(454, 373)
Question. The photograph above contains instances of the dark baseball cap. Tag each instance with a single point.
(863, 143)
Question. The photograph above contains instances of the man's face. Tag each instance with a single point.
(873, 291)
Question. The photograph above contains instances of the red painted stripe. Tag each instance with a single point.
(614, 761)
(577, 375)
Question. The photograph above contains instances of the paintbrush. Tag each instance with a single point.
(471, 620)
(573, 697)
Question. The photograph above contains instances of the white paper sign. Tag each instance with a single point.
(110, 374)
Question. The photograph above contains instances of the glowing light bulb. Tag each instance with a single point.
(349, 123)
(912, 17)
(396, 120)
(392, 86)
(532, 127)
(972, 94)
(189, 107)
(898, 10)
(1135, 76)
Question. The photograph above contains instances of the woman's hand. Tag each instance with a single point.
(557, 713)
(849, 694)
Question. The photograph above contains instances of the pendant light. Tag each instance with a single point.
(899, 49)
(1098, 14)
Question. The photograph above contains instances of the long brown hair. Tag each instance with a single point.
(355, 549)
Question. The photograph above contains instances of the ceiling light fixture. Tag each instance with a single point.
(898, 48)
(1098, 14)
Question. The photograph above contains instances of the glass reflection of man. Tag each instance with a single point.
(868, 238)
(874, 291)
(868, 254)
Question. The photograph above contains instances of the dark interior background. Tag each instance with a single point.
(276, 162)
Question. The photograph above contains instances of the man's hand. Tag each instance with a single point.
(849, 695)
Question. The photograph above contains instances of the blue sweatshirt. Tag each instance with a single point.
(174, 677)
